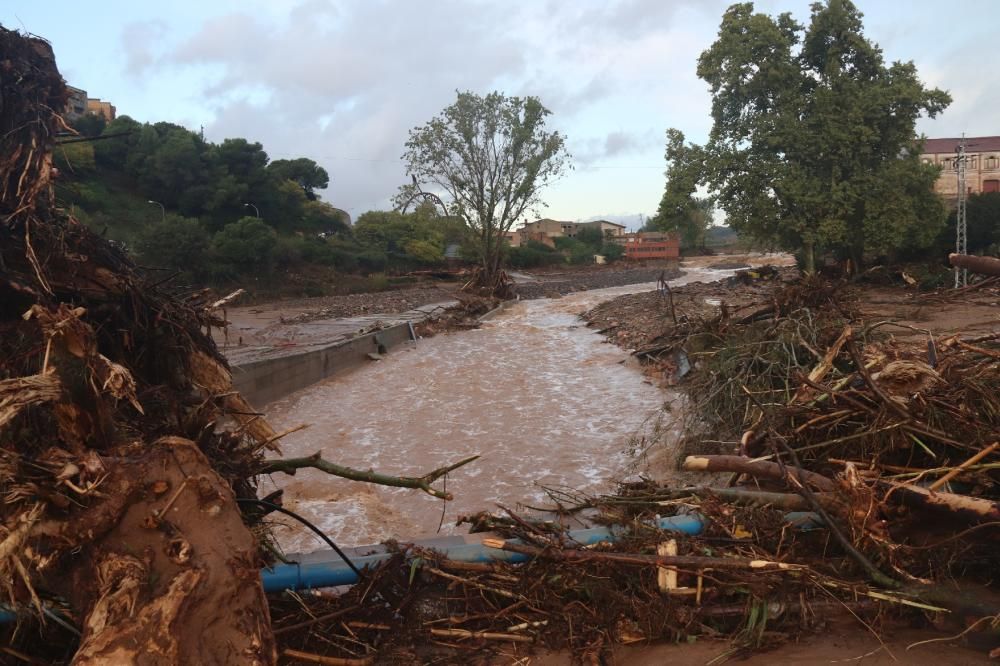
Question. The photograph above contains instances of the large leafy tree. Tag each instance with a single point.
(983, 219)
(490, 157)
(680, 210)
(813, 142)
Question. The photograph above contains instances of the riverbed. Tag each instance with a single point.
(542, 399)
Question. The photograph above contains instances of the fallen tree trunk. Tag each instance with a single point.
(981, 265)
(761, 469)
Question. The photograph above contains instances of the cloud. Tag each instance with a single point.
(343, 83)
(619, 143)
(137, 39)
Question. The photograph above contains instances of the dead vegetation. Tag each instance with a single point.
(124, 452)
(860, 479)
(117, 474)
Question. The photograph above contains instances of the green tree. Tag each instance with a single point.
(321, 217)
(413, 238)
(112, 153)
(592, 237)
(533, 254)
(89, 124)
(76, 158)
(178, 243)
(612, 251)
(680, 210)
(982, 215)
(491, 156)
(812, 145)
(247, 245)
(304, 171)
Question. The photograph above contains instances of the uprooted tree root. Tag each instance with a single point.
(118, 477)
(123, 447)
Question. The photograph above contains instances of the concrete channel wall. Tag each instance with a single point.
(270, 379)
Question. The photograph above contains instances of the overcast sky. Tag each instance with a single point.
(342, 82)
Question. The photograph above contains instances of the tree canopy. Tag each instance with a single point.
(214, 182)
(490, 157)
(304, 171)
(813, 145)
(680, 210)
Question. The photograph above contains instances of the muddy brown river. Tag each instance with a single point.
(543, 399)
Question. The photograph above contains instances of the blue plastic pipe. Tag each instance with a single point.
(326, 569)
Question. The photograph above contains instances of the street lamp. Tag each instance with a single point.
(163, 211)
(250, 205)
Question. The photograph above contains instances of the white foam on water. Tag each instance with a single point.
(541, 398)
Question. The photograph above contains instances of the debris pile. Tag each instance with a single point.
(464, 316)
(861, 478)
(862, 475)
(122, 444)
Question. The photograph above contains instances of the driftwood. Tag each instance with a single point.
(761, 469)
(981, 265)
(967, 509)
(316, 461)
(689, 562)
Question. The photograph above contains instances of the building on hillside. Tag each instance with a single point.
(539, 237)
(611, 230)
(982, 167)
(548, 227)
(552, 229)
(651, 245)
(76, 106)
(99, 107)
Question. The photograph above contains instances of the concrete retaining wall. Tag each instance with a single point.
(270, 379)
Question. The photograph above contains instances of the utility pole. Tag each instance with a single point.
(961, 227)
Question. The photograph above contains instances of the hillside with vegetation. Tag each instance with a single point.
(231, 215)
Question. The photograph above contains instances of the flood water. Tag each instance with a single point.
(543, 399)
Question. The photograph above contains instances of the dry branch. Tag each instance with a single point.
(316, 461)
(757, 468)
(690, 562)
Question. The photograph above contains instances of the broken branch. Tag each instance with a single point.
(292, 465)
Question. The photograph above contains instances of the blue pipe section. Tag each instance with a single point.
(325, 569)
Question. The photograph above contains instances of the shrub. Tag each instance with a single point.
(612, 251)
(178, 243)
(246, 245)
(532, 255)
